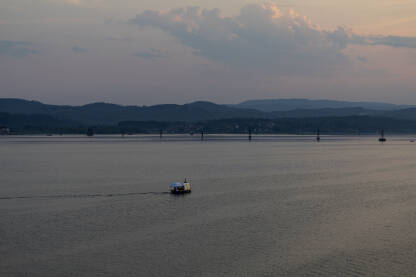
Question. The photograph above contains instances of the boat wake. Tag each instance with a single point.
(81, 195)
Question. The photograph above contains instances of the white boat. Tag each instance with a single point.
(177, 188)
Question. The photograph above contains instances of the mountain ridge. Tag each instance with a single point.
(101, 113)
(107, 113)
(287, 104)
(33, 117)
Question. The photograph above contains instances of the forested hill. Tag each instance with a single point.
(22, 116)
(104, 113)
(271, 105)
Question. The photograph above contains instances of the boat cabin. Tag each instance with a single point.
(178, 188)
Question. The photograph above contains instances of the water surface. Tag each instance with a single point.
(275, 206)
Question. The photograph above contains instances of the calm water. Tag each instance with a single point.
(276, 206)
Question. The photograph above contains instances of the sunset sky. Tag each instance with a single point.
(143, 52)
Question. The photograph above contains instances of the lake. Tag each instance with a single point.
(273, 206)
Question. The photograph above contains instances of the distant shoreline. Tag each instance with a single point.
(20, 117)
(206, 135)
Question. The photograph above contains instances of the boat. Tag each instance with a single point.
(179, 188)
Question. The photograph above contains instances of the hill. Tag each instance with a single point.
(24, 117)
(270, 105)
(107, 114)
(325, 112)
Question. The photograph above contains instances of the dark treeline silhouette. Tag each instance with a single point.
(38, 124)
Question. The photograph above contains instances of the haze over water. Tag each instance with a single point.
(283, 206)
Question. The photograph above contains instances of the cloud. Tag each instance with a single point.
(262, 36)
(79, 50)
(73, 2)
(362, 59)
(76, 2)
(151, 54)
(122, 39)
(346, 37)
(16, 48)
(394, 41)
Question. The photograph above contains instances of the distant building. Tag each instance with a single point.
(4, 130)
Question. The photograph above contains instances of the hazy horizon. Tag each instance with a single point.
(184, 103)
(84, 51)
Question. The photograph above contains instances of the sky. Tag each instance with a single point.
(145, 52)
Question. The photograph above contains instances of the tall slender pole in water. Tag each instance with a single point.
(202, 134)
(382, 138)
